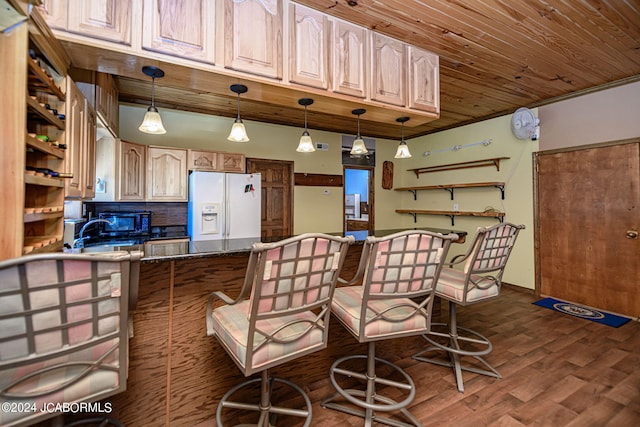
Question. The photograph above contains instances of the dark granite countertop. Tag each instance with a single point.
(180, 249)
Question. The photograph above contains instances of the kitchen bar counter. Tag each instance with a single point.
(165, 250)
(177, 374)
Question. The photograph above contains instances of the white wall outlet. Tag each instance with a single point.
(456, 207)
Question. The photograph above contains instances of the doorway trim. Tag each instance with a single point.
(370, 196)
(536, 195)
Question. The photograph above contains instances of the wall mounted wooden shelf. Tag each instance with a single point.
(462, 165)
(451, 187)
(318, 179)
(451, 214)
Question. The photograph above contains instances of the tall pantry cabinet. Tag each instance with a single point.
(33, 70)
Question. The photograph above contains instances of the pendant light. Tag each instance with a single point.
(403, 149)
(238, 132)
(306, 144)
(358, 147)
(152, 122)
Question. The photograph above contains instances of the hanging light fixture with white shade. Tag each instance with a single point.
(403, 149)
(358, 147)
(152, 122)
(306, 144)
(238, 132)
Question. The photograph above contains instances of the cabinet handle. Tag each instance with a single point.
(632, 234)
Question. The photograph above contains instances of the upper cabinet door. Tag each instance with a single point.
(55, 13)
(183, 28)
(132, 170)
(309, 58)
(167, 174)
(424, 80)
(253, 36)
(388, 69)
(104, 19)
(349, 58)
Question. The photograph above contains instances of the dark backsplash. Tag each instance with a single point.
(166, 213)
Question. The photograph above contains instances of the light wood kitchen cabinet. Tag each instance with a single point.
(80, 138)
(388, 70)
(55, 13)
(349, 58)
(180, 28)
(244, 39)
(253, 36)
(232, 162)
(166, 174)
(34, 64)
(200, 160)
(102, 93)
(132, 170)
(90, 127)
(73, 138)
(107, 19)
(424, 80)
(107, 101)
(308, 47)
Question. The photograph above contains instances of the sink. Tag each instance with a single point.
(111, 244)
(105, 247)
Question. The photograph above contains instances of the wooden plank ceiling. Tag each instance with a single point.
(495, 56)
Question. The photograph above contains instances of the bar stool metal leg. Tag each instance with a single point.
(268, 413)
(370, 401)
(456, 337)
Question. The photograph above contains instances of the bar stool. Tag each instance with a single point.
(285, 317)
(64, 339)
(398, 274)
(479, 280)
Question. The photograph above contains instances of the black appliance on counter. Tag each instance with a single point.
(131, 224)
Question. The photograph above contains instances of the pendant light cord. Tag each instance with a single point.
(153, 91)
(238, 106)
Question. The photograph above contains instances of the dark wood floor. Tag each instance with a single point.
(557, 370)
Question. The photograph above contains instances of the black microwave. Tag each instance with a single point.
(125, 224)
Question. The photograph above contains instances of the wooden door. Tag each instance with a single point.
(180, 28)
(589, 206)
(167, 174)
(132, 171)
(277, 196)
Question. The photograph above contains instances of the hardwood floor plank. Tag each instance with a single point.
(557, 370)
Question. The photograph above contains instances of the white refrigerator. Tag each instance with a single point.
(224, 206)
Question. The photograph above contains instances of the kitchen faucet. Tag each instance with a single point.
(79, 242)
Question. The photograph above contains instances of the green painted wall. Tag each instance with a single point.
(315, 210)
